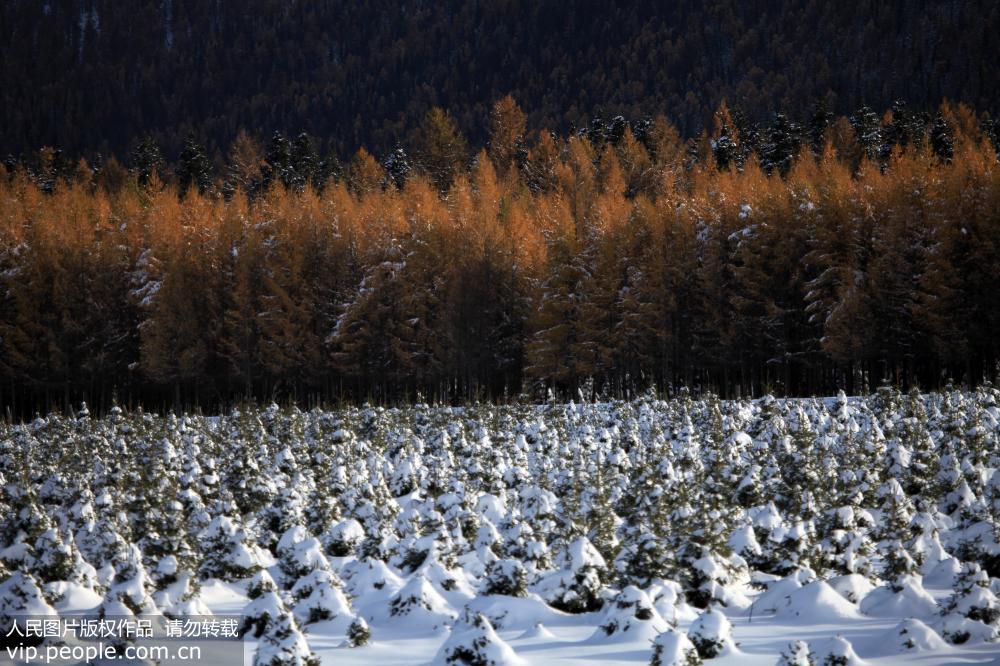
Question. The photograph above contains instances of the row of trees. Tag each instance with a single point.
(799, 260)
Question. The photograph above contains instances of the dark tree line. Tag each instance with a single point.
(94, 75)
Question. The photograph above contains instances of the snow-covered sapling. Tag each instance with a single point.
(260, 584)
(712, 634)
(474, 642)
(284, 645)
(631, 613)
(577, 587)
(507, 577)
(343, 538)
(674, 648)
(797, 654)
(358, 633)
(227, 553)
(319, 597)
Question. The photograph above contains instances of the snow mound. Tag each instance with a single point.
(712, 634)
(629, 617)
(474, 641)
(285, 644)
(911, 600)
(507, 613)
(421, 605)
(668, 599)
(180, 599)
(537, 632)
(72, 596)
(767, 517)
(321, 602)
(797, 654)
(836, 650)
(341, 539)
(775, 596)
(371, 579)
(449, 583)
(943, 573)
(853, 587)
(260, 615)
(913, 634)
(673, 648)
(743, 541)
(960, 630)
(20, 595)
(582, 554)
(817, 603)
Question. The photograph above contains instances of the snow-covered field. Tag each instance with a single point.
(829, 531)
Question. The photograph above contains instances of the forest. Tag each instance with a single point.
(92, 77)
(793, 258)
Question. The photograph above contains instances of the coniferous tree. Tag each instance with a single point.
(782, 146)
(868, 133)
(397, 167)
(507, 128)
(440, 148)
(819, 122)
(277, 167)
(193, 169)
(146, 160)
(245, 167)
(941, 139)
(305, 163)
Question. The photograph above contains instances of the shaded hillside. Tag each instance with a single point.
(90, 75)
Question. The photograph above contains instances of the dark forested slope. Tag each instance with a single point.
(93, 75)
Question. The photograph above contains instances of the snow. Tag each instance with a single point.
(776, 595)
(853, 587)
(943, 572)
(73, 597)
(630, 617)
(711, 633)
(243, 556)
(422, 606)
(815, 604)
(344, 537)
(473, 641)
(476, 533)
(672, 648)
(913, 635)
(743, 541)
(911, 601)
(838, 647)
(262, 611)
(582, 554)
(539, 632)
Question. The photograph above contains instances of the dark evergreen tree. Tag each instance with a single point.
(397, 167)
(277, 167)
(818, 124)
(330, 169)
(906, 128)
(941, 139)
(724, 149)
(146, 160)
(991, 130)
(749, 136)
(305, 163)
(868, 133)
(194, 168)
(615, 130)
(782, 146)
